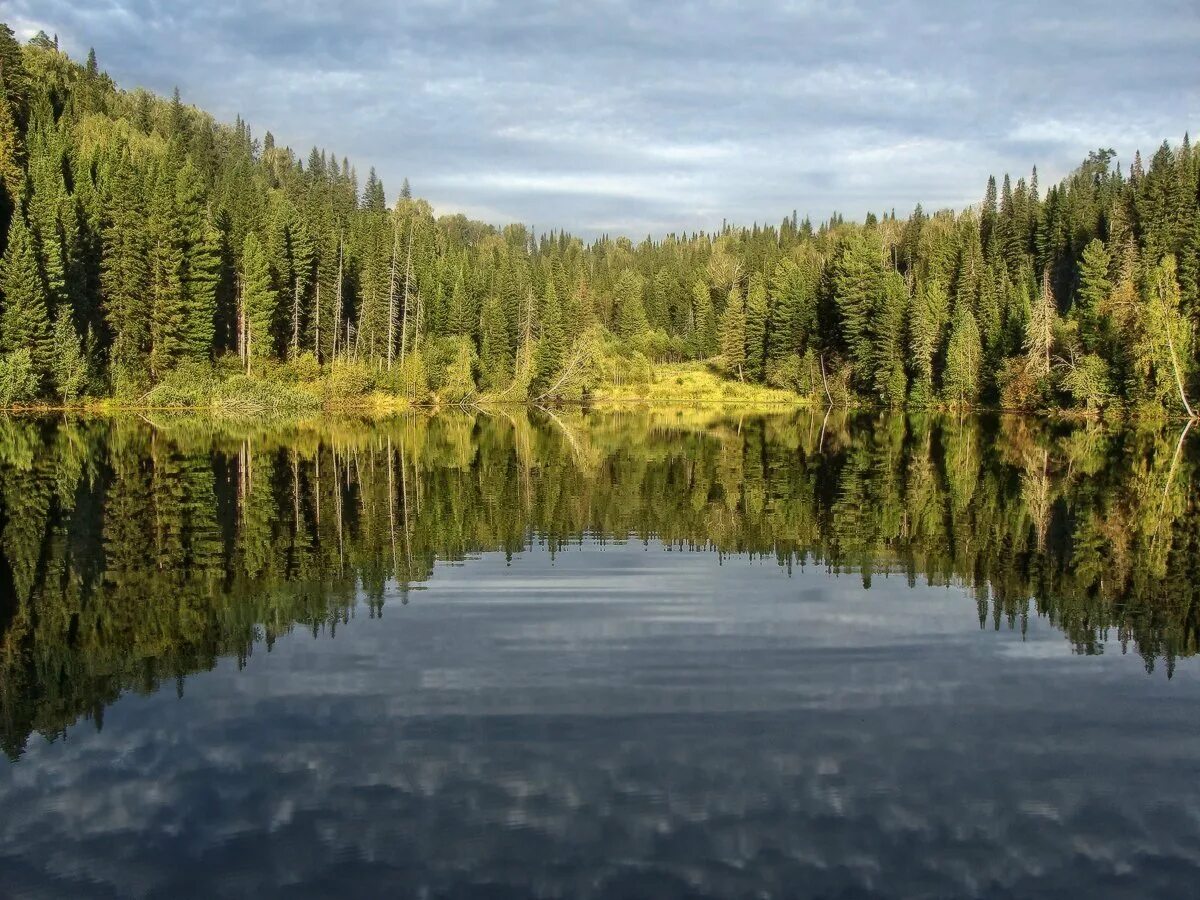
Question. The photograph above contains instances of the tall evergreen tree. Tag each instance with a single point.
(24, 324)
(733, 334)
(260, 302)
(756, 327)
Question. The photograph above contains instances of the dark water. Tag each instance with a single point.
(563, 654)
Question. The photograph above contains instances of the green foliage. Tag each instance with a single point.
(1088, 383)
(733, 334)
(631, 322)
(69, 365)
(756, 327)
(703, 336)
(23, 323)
(169, 237)
(858, 284)
(1094, 289)
(259, 299)
(964, 358)
(19, 382)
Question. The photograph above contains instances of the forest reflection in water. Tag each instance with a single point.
(137, 551)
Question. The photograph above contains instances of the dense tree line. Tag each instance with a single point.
(136, 553)
(142, 237)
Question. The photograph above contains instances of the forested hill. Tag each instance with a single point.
(149, 248)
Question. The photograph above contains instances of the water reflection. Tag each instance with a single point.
(604, 715)
(139, 551)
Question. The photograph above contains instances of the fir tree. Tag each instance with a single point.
(733, 334)
(24, 324)
(259, 300)
(964, 356)
(756, 327)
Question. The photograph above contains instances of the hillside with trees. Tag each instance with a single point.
(156, 256)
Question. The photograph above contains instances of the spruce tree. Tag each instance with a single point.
(69, 366)
(259, 299)
(168, 313)
(493, 342)
(964, 356)
(124, 278)
(24, 324)
(756, 328)
(704, 326)
(631, 322)
(1094, 288)
(857, 281)
(890, 344)
(551, 345)
(733, 334)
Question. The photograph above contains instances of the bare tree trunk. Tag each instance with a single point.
(1178, 377)
(295, 316)
(824, 380)
(337, 307)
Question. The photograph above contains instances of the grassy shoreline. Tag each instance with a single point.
(693, 384)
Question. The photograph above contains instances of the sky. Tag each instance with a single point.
(636, 118)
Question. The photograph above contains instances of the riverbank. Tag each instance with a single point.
(286, 390)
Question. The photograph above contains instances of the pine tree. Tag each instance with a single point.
(756, 327)
(1094, 288)
(890, 340)
(124, 278)
(551, 345)
(459, 318)
(259, 300)
(631, 322)
(69, 365)
(12, 177)
(24, 324)
(168, 313)
(47, 207)
(930, 310)
(733, 334)
(704, 329)
(857, 284)
(1039, 331)
(493, 342)
(964, 357)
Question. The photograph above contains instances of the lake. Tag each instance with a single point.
(586, 653)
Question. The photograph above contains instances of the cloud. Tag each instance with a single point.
(640, 117)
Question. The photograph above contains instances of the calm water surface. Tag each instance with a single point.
(588, 654)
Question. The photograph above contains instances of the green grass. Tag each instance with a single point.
(695, 382)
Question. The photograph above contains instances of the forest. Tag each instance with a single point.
(157, 257)
(138, 550)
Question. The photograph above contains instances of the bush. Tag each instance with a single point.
(1019, 388)
(1088, 383)
(458, 382)
(303, 367)
(347, 381)
(245, 394)
(190, 384)
(792, 373)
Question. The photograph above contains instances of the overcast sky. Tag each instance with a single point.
(638, 117)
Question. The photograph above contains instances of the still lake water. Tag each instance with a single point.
(588, 654)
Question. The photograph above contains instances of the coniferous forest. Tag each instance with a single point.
(157, 256)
